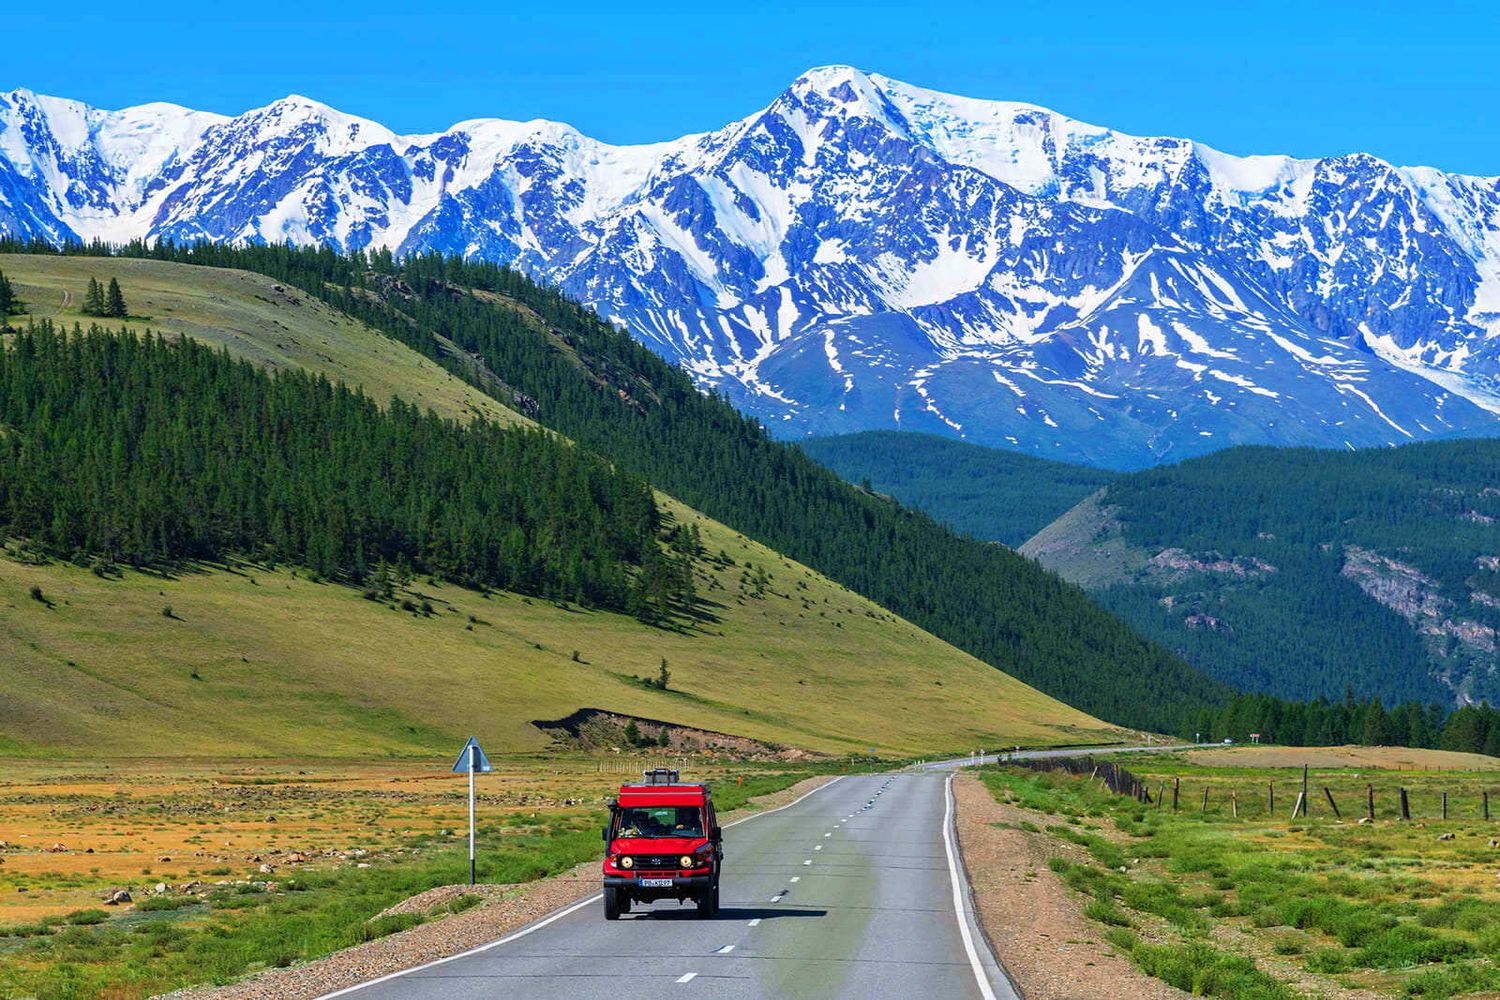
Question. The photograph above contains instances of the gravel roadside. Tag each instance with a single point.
(1050, 951)
(506, 909)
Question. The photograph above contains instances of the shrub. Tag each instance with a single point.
(86, 918)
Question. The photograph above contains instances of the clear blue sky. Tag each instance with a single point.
(1413, 83)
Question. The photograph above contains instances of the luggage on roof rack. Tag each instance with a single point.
(659, 776)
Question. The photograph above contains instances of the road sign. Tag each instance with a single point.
(471, 760)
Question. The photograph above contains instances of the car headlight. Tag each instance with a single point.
(627, 862)
(687, 861)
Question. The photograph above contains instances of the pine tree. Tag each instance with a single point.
(93, 301)
(114, 303)
(8, 301)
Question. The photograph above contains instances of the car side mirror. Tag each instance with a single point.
(606, 834)
(718, 833)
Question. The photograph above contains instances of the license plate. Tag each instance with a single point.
(656, 883)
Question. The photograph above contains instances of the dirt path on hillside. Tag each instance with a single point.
(506, 909)
(1050, 950)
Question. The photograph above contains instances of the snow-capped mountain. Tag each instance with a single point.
(865, 253)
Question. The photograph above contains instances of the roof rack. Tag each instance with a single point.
(659, 776)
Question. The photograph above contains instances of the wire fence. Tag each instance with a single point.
(1341, 797)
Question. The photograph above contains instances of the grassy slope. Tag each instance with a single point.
(289, 666)
(255, 318)
(995, 495)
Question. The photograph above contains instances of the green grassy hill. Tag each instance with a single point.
(999, 496)
(254, 317)
(255, 661)
(1302, 573)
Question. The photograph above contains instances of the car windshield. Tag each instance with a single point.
(661, 821)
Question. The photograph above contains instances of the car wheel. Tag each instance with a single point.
(611, 904)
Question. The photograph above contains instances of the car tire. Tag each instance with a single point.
(708, 903)
(612, 904)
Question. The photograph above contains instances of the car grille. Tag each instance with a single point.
(655, 862)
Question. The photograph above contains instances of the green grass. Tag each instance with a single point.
(1385, 906)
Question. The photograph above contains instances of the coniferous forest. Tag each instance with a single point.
(545, 354)
(149, 452)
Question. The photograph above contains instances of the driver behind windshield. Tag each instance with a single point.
(661, 821)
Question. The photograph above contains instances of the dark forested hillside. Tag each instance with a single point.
(1303, 572)
(145, 451)
(553, 359)
(999, 496)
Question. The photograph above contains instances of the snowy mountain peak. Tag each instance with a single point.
(863, 252)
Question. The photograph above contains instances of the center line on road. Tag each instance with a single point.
(817, 847)
(796, 878)
(726, 949)
(687, 978)
(808, 861)
(755, 922)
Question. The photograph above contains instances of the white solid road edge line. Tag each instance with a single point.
(543, 922)
(980, 976)
(538, 925)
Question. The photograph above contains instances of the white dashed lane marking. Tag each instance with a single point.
(726, 949)
(687, 978)
(755, 922)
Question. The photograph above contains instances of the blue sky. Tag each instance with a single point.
(1412, 83)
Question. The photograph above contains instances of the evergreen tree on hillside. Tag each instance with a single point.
(9, 304)
(114, 301)
(93, 299)
(152, 452)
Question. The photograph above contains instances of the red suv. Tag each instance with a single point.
(663, 842)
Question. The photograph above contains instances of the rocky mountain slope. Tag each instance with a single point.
(863, 253)
(1304, 573)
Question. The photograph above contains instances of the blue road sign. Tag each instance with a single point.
(471, 758)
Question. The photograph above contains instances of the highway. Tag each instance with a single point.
(853, 892)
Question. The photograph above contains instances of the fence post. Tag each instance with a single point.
(1333, 804)
(1306, 805)
(1270, 798)
(1161, 793)
(1176, 787)
(1234, 804)
(1370, 802)
(1445, 805)
(1486, 796)
(1204, 808)
(1405, 806)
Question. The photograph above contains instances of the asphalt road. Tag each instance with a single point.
(854, 892)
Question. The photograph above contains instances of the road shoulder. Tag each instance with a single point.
(1032, 920)
(506, 910)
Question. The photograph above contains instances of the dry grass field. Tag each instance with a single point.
(233, 867)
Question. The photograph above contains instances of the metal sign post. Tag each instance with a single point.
(471, 759)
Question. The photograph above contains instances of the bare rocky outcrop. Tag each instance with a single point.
(1181, 561)
(600, 729)
(1418, 598)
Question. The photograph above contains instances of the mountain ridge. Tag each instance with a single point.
(862, 253)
